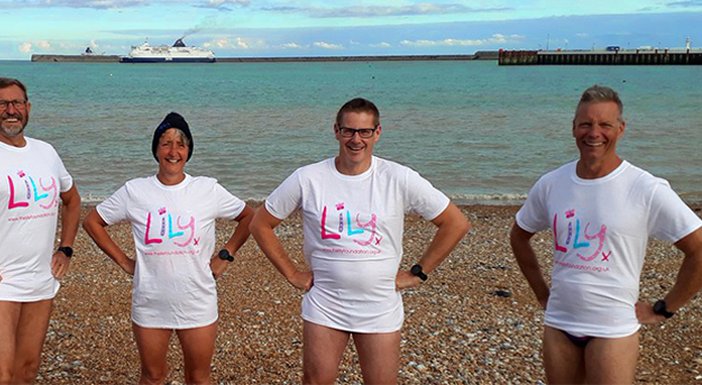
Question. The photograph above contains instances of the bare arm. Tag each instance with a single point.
(687, 284)
(70, 216)
(261, 228)
(95, 226)
(452, 226)
(528, 263)
(238, 238)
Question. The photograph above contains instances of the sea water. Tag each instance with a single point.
(478, 131)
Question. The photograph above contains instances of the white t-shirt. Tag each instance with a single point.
(33, 177)
(601, 228)
(353, 226)
(174, 234)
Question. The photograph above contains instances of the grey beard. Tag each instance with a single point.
(12, 132)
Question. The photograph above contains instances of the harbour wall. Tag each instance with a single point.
(480, 55)
(627, 57)
(76, 58)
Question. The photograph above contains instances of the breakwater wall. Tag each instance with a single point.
(76, 58)
(618, 57)
(480, 55)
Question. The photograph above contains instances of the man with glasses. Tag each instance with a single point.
(601, 210)
(353, 208)
(32, 181)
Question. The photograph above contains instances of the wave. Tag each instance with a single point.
(488, 199)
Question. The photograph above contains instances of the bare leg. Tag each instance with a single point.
(9, 318)
(31, 331)
(322, 351)
(198, 348)
(379, 355)
(564, 361)
(612, 360)
(153, 347)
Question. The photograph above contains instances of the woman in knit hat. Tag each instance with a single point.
(173, 222)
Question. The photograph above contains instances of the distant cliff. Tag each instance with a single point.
(76, 58)
(486, 55)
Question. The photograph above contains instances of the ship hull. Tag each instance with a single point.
(128, 59)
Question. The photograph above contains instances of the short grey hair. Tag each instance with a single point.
(597, 94)
(9, 82)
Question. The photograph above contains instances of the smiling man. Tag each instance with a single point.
(33, 180)
(353, 208)
(602, 209)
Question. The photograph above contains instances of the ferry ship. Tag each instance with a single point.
(178, 53)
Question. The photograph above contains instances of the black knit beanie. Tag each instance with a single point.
(172, 120)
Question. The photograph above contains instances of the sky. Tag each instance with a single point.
(275, 28)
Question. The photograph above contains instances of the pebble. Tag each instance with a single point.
(455, 331)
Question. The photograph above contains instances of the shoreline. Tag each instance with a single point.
(474, 321)
(511, 205)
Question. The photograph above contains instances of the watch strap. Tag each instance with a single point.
(660, 308)
(417, 271)
(66, 250)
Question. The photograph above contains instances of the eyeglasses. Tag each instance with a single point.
(17, 103)
(364, 133)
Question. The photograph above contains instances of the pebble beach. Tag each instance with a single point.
(475, 321)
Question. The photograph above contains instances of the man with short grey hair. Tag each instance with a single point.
(601, 210)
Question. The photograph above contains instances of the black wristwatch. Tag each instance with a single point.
(224, 254)
(416, 270)
(660, 309)
(66, 250)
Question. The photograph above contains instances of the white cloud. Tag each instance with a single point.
(325, 45)
(221, 43)
(494, 39)
(291, 45)
(236, 43)
(25, 47)
(28, 46)
(241, 43)
(381, 45)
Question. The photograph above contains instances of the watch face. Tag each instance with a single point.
(660, 308)
(224, 254)
(416, 270)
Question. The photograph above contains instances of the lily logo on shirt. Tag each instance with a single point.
(182, 235)
(576, 241)
(26, 190)
(354, 229)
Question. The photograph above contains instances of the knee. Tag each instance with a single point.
(314, 376)
(5, 376)
(26, 372)
(153, 375)
(197, 377)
